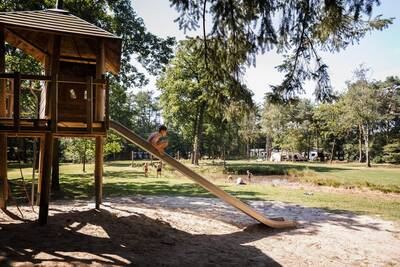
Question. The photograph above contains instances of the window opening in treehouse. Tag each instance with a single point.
(72, 94)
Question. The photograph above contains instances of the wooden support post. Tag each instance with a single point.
(3, 136)
(45, 179)
(55, 66)
(17, 90)
(3, 172)
(11, 99)
(55, 174)
(100, 90)
(54, 102)
(107, 111)
(100, 113)
(98, 170)
(3, 88)
(41, 164)
(89, 104)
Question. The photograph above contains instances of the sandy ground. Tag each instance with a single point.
(183, 231)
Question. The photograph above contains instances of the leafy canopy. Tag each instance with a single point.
(299, 29)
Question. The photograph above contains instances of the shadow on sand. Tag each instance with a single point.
(132, 240)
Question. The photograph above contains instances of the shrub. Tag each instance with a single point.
(392, 152)
(378, 159)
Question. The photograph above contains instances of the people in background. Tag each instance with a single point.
(239, 181)
(249, 176)
(146, 169)
(154, 139)
(159, 169)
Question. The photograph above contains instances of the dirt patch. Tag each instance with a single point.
(181, 231)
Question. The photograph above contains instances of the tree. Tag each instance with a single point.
(249, 130)
(288, 126)
(298, 29)
(332, 123)
(113, 144)
(273, 122)
(362, 108)
(190, 93)
(79, 150)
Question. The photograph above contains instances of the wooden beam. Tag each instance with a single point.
(3, 87)
(10, 100)
(100, 70)
(98, 170)
(78, 60)
(100, 113)
(89, 104)
(45, 179)
(55, 66)
(55, 174)
(41, 164)
(17, 105)
(107, 111)
(28, 42)
(3, 136)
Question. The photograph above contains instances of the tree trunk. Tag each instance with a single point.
(84, 163)
(55, 174)
(266, 147)
(366, 140)
(198, 136)
(195, 123)
(360, 143)
(248, 150)
(84, 159)
(333, 150)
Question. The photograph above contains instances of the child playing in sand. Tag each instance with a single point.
(154, 139)
(145, 169)
(159, 169)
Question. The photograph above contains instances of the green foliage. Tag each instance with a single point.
(79, 150)
(198, 98)
(297, 29)
(289, 126)
(113, 144)
(365, 118)
(392, 152)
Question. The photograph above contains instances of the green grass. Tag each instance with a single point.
(122, 180)
(382, 178)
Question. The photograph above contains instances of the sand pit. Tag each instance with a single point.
(182, 231)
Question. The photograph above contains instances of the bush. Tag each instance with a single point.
(392, 152)
(378, 159)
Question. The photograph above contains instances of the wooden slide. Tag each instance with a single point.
(142, 143)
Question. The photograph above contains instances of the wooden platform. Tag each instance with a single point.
(38, 127)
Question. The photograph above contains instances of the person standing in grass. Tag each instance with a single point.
(249, 175)
(145, 169)
(159, 169)
(154, 139)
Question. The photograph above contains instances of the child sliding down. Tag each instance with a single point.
(154, 139)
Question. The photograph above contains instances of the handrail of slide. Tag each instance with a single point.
(142, 143)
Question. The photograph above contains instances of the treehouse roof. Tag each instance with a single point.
(29, 31)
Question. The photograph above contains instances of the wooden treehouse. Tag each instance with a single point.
(72, 92)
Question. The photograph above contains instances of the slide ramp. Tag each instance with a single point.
(143, 144)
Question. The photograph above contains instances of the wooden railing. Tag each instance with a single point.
(17, 79)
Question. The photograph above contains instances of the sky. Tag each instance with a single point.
(378, 50)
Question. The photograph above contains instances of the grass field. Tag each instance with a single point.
(123, 180)
(380, 177)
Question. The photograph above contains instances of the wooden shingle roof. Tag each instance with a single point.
(54, 20)
(30, 31)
